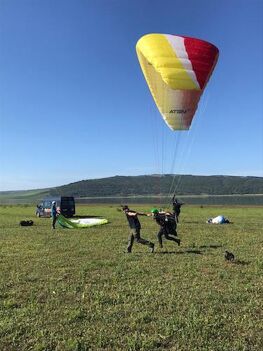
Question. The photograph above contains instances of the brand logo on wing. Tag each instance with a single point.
(179, 111)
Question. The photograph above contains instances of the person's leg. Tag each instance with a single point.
(159, 237)
(130, 241)
(142, 241)
(173, 232)
(168, 237)
(175, 217)
(54, 219)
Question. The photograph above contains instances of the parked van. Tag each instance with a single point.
(65, 205)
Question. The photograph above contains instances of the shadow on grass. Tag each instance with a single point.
(210, 246)
(188, 251)
(193, 222)
(241, 263)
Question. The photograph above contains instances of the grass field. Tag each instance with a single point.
(77, 290)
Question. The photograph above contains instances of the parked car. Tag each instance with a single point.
(65, 205)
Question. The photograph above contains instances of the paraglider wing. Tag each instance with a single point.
(80, 223)
(176, 69)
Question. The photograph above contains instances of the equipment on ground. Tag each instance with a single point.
(229, 256)
(26, 223)
(80, 222)
(218, 220)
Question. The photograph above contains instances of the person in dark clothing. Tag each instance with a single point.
(167, 223)
(176, 208)
(54, 214)
(135, 229)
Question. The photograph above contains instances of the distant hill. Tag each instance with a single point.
(23, 196)
(145, 185)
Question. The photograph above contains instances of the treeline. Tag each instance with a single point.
(161, 185)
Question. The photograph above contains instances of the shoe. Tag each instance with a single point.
(152, 248)
(178, 242)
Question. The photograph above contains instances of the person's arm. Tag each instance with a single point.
(131, 213)
(141, 214)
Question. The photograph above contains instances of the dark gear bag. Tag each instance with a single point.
(170, 224)
(26, 223)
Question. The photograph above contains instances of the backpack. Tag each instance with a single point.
(170, 223)
(26, 223)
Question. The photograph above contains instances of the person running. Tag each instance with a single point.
(168, 226)
(135, 228)
(54, 213)
(176, 208)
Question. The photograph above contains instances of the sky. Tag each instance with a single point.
(74, 104)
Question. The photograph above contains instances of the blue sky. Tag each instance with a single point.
(74, 104)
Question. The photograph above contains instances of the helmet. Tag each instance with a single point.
(53, 202)
(154, 210)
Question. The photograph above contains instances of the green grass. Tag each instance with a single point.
(77, 290)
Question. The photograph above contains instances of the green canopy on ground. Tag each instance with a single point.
(81, 222)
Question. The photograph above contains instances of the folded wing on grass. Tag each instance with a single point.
(80, 223)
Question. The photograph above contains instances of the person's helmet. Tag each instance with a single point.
(53, 202)
(154, 210)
